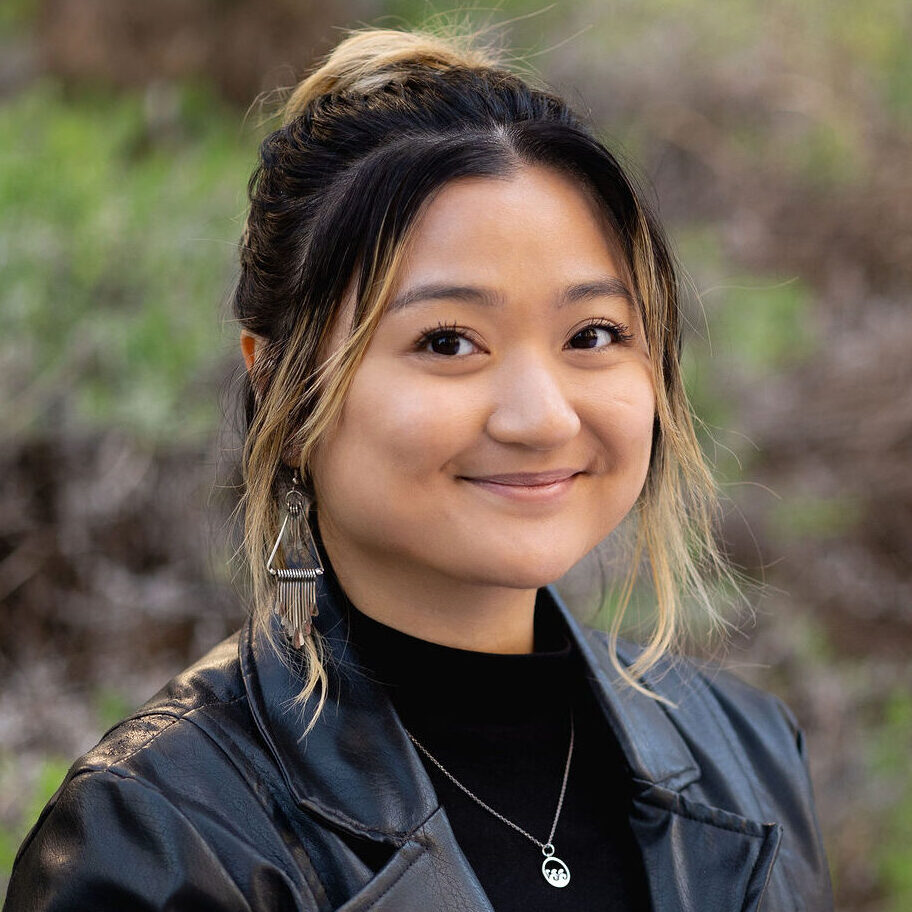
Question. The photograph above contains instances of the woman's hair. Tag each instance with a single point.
(367, 139)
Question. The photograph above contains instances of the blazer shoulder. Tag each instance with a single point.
(741, 700)
(181, 714)
(107, 841)
(176, 797)
(705, 697)
(200, 722)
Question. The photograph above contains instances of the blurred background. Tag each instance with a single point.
(776, 137)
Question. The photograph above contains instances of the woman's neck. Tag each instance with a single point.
(433, 607)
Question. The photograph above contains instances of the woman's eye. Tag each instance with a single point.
(602, 334)
(445, 340)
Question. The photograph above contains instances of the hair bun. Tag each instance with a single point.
(369, 58)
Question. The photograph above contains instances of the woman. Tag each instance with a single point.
(460, 327)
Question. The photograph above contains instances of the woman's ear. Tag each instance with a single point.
(250, 347)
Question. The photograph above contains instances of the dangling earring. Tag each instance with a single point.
(296, 582)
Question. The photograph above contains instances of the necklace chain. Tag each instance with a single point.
(544, 846)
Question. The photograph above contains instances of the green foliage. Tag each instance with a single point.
(9, 844)
(890, 751)
(412, 14)
(762, 325)
(712, 408)
(745, 327)
(805, 516)
(51, 773)
(15, 15)
(117, 244)
(110, 706)
(825, 154)
(876, 35)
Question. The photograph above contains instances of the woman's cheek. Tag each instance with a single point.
(415, 419)
(622, 418)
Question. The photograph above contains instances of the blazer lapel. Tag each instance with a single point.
(697, 858)
(358, 770)
(428, 873)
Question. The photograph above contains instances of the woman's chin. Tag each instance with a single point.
(528, 573)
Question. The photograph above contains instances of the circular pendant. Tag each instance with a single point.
(555, 871)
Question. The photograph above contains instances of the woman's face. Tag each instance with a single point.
(513, 351)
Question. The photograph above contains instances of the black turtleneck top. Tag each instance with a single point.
(500, 724)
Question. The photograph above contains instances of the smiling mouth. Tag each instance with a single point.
(528, 479)
(530, 488)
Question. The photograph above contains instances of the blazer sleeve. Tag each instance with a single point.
(814, 836)
(110, 842)
(776, 746)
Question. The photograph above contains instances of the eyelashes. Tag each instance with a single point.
(620, 332)
(452, 335)
(446, 331)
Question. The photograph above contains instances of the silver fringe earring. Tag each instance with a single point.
(296, 582)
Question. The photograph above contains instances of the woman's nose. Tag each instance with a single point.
(531, 405)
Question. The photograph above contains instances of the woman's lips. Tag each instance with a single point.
(541, 486)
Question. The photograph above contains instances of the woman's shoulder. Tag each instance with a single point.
(745, 751)
(733, 729)
(188, 714)
(142, 810)
(699, 691)
(723, 753)
(180, 724)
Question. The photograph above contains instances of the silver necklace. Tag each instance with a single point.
(554, 870)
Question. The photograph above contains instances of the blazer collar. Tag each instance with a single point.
(356, 767)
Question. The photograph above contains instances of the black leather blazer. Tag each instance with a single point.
(206, 799)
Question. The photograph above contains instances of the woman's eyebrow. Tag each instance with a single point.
(606, 286)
